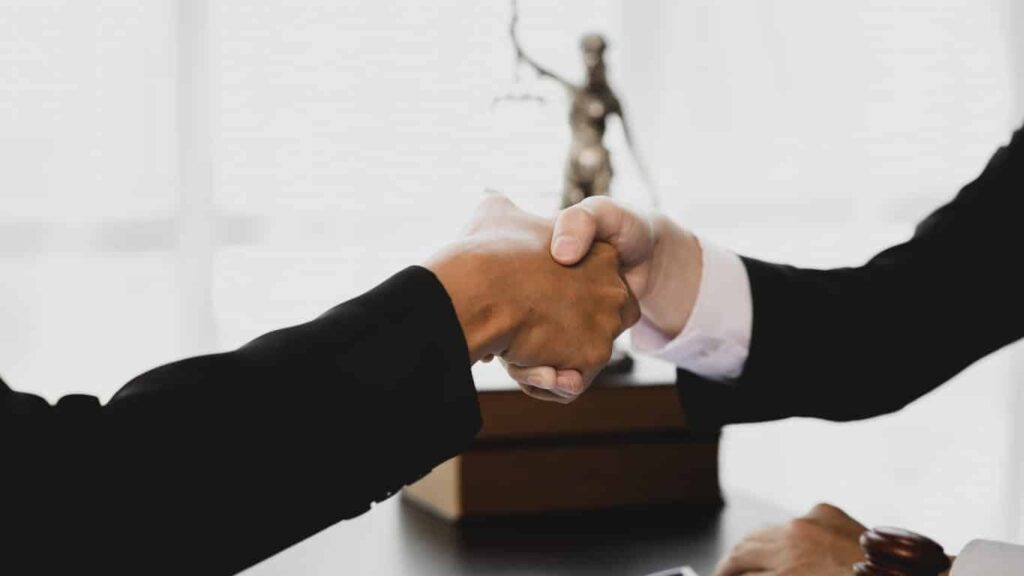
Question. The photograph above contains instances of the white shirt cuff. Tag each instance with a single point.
(988, 558)
(715, 342)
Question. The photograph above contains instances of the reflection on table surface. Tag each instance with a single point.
(397, 538)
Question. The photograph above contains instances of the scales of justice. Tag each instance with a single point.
(588, 167)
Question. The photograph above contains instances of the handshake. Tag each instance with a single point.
(549, 298)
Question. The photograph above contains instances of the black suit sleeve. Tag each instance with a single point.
(208, 465)
(857, 342)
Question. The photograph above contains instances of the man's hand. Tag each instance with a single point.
(660, 261)
(513, 300)
(825, 542)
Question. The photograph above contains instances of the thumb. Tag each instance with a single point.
(573, 235)
(600, 218)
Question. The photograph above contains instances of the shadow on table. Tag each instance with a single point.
(634, 541)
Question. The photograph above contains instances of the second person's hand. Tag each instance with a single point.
(660, 261)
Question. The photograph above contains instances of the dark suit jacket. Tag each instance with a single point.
(857, 342)
(208, 465)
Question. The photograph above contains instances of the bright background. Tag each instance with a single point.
(177, 177)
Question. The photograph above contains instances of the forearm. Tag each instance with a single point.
(855, 342)
(220, 461)
(852, 343)
(396, 352)
(537, 67)
(837, 344)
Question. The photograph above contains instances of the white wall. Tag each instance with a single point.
(87, 190)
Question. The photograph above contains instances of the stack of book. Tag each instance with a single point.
(622, 444)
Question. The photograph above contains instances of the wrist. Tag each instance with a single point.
(468, 277)
(676, 271)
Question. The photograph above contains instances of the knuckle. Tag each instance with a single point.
(632, 315)
(825, 509)
(577, 212)
(620, 295)
(742, 548)
(799, 528)
(597, 203)
(612, 303)
(575, 217)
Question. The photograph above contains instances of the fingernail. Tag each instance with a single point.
(567, 386)
(565, 248)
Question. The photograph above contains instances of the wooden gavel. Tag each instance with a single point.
(896, 552)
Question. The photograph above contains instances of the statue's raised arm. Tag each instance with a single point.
(525, 58)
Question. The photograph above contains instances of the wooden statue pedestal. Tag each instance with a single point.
(624, 443)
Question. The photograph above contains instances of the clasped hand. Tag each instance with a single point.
(549, 298)
(514, 301)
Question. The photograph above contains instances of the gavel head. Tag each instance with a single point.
(896, 552)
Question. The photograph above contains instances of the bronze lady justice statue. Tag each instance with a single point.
(588, 171)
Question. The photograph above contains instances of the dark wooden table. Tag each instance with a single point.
(396, 538)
